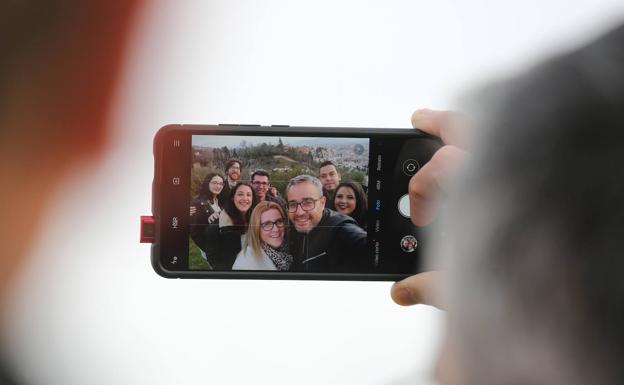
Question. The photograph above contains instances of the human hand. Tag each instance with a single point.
(424, 189)
(418, 289)
(213, 217)
(425, 186)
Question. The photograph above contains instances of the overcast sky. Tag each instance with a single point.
(235, 140)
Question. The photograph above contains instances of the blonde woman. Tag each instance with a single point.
(264, 247)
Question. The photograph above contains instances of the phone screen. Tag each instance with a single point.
(292, 202)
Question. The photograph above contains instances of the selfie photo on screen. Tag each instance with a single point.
(279, 204)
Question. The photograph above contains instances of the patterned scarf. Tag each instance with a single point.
(281, 258)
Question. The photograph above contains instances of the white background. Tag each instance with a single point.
(90, 310)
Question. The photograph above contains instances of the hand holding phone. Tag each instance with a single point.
(424, 187)
(339, 196)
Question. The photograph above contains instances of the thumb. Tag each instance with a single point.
(421, 288)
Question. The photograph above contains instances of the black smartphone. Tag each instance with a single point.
(281, 202)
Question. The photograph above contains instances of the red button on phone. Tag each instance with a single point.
(148, 229)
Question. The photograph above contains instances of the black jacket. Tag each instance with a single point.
(199, 222)
(336, 244)
(227, 190)
(329, 199)
(223, 242)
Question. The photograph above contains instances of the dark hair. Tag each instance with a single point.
(204, 190)
(261, 173)
(232, 211)
(230, 162)
(328, 163)
(533, 234)
(270, 192)
(361, 203)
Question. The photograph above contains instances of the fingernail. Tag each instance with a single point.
(421, 115)
(404, 295)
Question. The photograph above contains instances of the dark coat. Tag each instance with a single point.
(223, 242)
(329, 199)
(198, 228)
(336, 244)
(227, 190)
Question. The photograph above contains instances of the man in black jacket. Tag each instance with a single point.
(321, 239)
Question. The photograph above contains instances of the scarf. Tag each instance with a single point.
(281, 258)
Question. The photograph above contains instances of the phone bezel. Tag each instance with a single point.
(253, 129)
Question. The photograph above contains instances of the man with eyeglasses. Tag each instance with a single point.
(261, 183)
(233, 170)
(322, 240)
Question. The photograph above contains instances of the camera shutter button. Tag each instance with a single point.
(404, 206)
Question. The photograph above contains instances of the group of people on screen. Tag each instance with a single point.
(319, 225)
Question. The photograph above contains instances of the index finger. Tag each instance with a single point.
(446, 125)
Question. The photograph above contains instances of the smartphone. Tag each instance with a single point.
(278, 202)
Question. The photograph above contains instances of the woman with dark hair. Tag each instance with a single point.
(350, 200)
(204, 207)
(233, 225)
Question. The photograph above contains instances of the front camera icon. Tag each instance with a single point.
(410, 167)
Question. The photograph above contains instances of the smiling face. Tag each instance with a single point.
(275, 236)
(233, 172)
(260, 185)
(305, 221)
(216, 185)
(345, 200)
(329, 176)
(243, 198)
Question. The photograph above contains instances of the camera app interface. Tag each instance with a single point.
(294, 204)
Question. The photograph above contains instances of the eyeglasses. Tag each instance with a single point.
(258, 183)
(307, 204)
(216, 183)
(268, 226)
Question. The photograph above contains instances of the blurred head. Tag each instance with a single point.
(329, 176)
(351, 200)
(305, 202)
(233, 169)
(260, 180)
(212, 186)
(267, 226)
(59, 68)
(533, 245)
